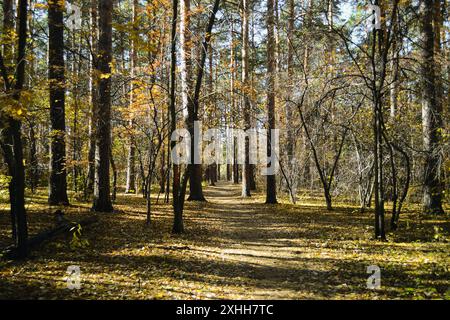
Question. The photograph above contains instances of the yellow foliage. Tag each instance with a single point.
(105, 75)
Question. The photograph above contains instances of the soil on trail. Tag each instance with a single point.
(233, 248)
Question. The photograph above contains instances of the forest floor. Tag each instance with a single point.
(233, 248)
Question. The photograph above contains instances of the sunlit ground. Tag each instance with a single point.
(232, 249)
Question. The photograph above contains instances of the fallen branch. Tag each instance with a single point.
(64, 227)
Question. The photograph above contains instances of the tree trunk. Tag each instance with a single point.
(58, 181)
(246, 169)
(229, 172)
(195, 183)
(114, 171)
(8, 65)
(195, 170)
(102, 197)
(235, 162)
(189, 113)
(34, 164)
(11, 140)
(290, 141)
(271, 191)
(431, 114)
(47, 235)
(17, 185)
(94, 99)
(186, 52)
(378, 139)
(179, 189)
(131, 165)
(394, 86)
(178, 226)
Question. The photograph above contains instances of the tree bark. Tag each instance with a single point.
(102, 197)
(377, 42)
(431, 114)
(290, 141)
(271, 191)
(189, 108)
(177, 201)
(94, 98)
(186, 53)
(58, 175)
(246, 168)
(131, 165)
(195, 182)
(11, 139)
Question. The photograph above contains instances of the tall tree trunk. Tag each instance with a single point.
(195, 170)
(131, 166)
(233, 109)
(8, 67)
(212, 168)
(251, 86)
(271, 191)
(179, 188)
(58, 181)
(189, 113)
(288, 104)
(94, 97)
(393, 90)
(246, 169)
(431, 114)
(76, 68)
(177, 203)
(290, 70)
(186, 53)
(11, 140)
(102, 197)
(307, 174)
(230, 111)
(377, 134)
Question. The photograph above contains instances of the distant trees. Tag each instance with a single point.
(361, 113)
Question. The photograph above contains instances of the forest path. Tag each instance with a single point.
(257, 239)
(273, 253)
(232, 248)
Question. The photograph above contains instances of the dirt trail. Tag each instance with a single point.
(271, 255)
(257, 239)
